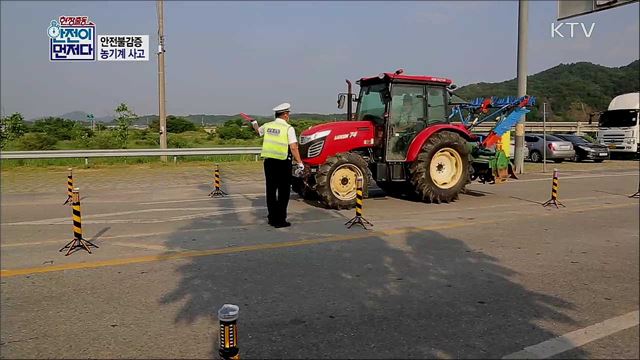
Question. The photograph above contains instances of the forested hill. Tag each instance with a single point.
(571, 91)
(221, 119)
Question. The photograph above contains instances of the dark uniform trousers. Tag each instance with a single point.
(278, 179)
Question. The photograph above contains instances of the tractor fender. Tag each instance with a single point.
(424, 135)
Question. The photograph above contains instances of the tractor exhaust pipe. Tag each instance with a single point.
(349, 110)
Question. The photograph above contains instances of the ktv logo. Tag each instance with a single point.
(72, 38)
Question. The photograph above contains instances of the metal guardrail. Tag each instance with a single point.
(59, 154)
(552, 126)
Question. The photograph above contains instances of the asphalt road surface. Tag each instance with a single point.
(492, 275)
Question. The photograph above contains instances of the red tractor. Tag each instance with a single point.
(400, 137)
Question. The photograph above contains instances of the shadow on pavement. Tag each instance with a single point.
(420, 295)
(527, 200)
(100, 233)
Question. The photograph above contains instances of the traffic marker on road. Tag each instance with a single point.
(217, 192)
(554, 192)
(358, 219)
(228, 317)
(77, 241)
(69, 187)
(637, 194)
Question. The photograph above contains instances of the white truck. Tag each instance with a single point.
(619, 126)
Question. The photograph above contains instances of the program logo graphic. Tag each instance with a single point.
(72, 38)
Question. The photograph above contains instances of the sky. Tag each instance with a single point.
(242, 56)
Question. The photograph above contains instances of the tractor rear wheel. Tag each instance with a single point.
(441, 170)
(336, 180)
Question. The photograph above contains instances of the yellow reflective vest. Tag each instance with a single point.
(276, 141)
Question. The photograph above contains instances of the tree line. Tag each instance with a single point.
(52, 133)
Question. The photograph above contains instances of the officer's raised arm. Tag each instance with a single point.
(254, 123)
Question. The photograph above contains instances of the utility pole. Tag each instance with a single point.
(523, 25)
(544, 137)
(161, 93)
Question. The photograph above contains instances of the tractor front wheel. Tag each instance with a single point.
(336, 180)
(441, 170)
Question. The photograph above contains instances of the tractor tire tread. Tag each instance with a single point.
(423, 186)
(323, 188)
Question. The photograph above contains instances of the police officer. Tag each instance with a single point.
(277, 147)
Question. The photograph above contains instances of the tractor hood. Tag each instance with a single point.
(335, 128)
(324, 140)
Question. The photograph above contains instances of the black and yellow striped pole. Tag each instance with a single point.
(554, 192)
(358, 219)
(217, 192)
(228, 317)
(78, 240)
(69, 187)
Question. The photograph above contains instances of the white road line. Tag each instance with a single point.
(112, 214)
(143, 235)
(577, 338)
(510, 181)
(572, 177)
(89, 219)
(333, 217)
(199, 199)
(143, 246)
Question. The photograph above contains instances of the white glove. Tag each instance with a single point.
(300, 167)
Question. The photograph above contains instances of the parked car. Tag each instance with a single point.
(557, 149)
(585, 149)
(512, 152)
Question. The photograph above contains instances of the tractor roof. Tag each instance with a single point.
(409, 78)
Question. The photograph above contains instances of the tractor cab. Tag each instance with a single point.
(400, 106)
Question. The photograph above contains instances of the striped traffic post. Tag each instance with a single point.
(554, 192)
(78, 240)
(217, 192)
(228, 348)
(358, 219)
(69, 187)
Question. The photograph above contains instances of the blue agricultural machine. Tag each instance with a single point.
(489, 161)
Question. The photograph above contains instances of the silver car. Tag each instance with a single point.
(557, 149)
(512, 153)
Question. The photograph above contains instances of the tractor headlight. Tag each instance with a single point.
(315, 136)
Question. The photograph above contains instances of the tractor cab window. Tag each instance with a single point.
(435, 106)
(406, 119)
(371, 105)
